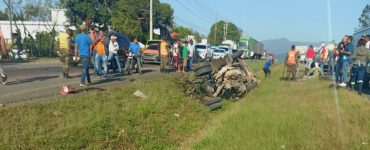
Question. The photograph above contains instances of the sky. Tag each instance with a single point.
(296, 20)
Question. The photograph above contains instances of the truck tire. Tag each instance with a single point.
(212, 101)
(215, 106)
(201, 65)
(203, 71)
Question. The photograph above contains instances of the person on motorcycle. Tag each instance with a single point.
(134, 51)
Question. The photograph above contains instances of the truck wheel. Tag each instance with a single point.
(212, 101)
(201, 65)
(215, 106)
(203, 71)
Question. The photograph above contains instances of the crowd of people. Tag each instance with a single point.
(181, 54)
(97, 48)
(348, 63)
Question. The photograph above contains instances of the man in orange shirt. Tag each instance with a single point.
(101, 56)
(164, 54)
(324, 56)
(291, 61)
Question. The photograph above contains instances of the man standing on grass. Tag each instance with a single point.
(163, 54)
(345, 55)
(83, 50)
(267, 66)
(323, 56)
(64, 50)
(291, 61)
(310, 55)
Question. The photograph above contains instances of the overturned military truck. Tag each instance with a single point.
(224, 78)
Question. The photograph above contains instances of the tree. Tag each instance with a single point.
(97, 11)
(132, 18)
(216, 35)
(184, 32)
(4, 15)
(364, 20)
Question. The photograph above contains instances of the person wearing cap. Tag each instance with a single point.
(323, 56)
(291, 61)
(101, 57)
(267, 66)
(64, 42)
(83, 53)
(113, 49)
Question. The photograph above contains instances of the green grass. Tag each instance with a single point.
(291, 115)
(113, 119)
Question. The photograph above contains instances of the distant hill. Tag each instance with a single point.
(279, 47)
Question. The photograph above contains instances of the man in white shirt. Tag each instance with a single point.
(113, 48)
(191, 54)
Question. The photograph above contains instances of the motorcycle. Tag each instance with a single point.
(132, 63)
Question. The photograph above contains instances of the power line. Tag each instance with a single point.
(191, 25)
(201, 7)
(190, 10)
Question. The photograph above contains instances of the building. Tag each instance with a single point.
(58, 20)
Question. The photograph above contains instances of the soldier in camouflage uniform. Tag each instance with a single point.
(291, 61)
(64, 40)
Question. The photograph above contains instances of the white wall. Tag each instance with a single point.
(59, 20)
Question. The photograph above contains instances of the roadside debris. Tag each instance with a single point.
(140, 94)
(224, 78)
(66, 90)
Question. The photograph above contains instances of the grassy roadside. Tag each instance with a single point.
(111, 119)
(291, 115)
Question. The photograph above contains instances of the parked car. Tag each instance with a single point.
(203, 51)
(219, 53)
(151, 52)
(227, 50)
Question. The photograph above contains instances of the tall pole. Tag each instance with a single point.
(216, 28)
(151, 21)
(10, 21)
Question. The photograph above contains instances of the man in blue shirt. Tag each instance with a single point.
(135, 51)
(345, 58)
(266, 67)
(82, 48)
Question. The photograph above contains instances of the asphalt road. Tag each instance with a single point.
(30, 81)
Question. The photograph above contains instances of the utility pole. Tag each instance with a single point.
(151, 21)
(227, 26)
(216, 28)
(224, 32)
(10, 21)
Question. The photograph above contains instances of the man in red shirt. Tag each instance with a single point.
(310, 55)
